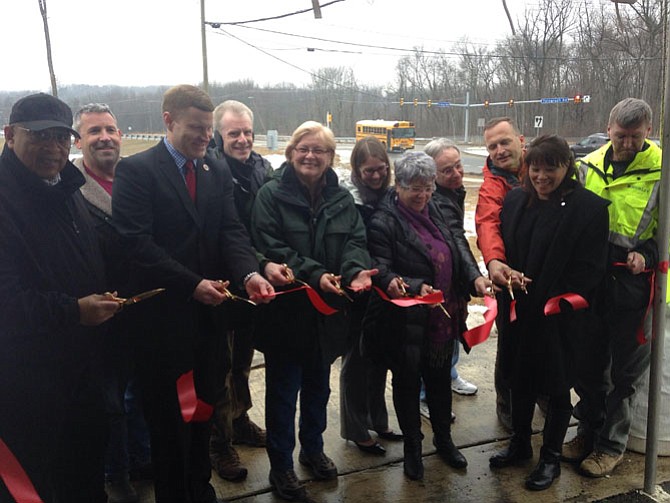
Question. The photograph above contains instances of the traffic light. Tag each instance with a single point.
(578, 99)
(486, 103)
(510, 103)
(402, 101)
(430, 103)
(416, 102)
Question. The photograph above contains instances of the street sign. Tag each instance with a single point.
(539, 119)
(544, 101)
(442, 104)
(586, 98)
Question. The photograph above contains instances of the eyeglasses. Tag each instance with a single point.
(62, 136)
(420, 190)
(379, 169)
(316, 151)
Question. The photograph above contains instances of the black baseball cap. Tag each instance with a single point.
(41, 111)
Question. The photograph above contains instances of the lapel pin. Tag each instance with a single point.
(205, 167)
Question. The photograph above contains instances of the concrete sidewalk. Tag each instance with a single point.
(371, 479)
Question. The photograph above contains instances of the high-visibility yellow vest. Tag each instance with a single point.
(633, 213)
(634, 195)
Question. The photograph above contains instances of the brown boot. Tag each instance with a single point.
(226, 462)
(245, 431)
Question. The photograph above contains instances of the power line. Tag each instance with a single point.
(312, 74)
(440, 52)
(219, 24)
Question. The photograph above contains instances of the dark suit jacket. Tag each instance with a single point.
(174, 243)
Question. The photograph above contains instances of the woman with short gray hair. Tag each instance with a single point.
(412, 247)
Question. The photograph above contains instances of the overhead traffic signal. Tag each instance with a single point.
(402, 101)
(578, 99)
(510, 103)
(486, 103)
(430, 103)
(416, 102)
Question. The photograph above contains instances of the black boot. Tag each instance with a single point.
(518, 450)
(449, 452)
(546, 470)
(413, 465)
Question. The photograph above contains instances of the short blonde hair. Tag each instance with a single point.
(310, 128)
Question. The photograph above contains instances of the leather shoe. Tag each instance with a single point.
(226, 463)
(450, 453)
(288, 487)
(375, 448)
(544, 473)
(390, 435)
(413, 464)
(245, 431)
(517, 451)
(321, 465)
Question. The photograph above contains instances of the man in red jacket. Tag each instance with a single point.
(502, 170)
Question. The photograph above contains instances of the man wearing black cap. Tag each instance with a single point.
(52, 421)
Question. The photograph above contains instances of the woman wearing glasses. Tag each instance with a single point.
(304, 219)
(556, 232)
(412, 246)
(362, 381)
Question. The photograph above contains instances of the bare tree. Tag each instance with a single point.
(509, 18)
(52, 75)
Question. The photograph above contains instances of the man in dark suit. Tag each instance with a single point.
(173, 206)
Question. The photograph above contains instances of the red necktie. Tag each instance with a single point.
(189, 176)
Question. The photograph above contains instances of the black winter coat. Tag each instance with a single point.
(49, 258)
(564, 250)
(451, 203)
(396, 250)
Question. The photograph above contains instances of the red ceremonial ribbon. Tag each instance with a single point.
(575, 300)
(430, 299)
(512, 311)
(192, 408)
(639, 336)
(316, 301)
(477, 335)
(15, 478)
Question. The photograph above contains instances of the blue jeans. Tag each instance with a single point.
(284, 380)
(454, 360)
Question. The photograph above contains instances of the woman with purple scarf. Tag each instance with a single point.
(411, 245)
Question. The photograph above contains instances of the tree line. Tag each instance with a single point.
(561, 48)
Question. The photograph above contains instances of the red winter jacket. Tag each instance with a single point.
(497, 183)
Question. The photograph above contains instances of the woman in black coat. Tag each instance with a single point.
(411, 245)
(556, 232)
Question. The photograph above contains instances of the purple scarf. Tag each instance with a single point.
(440, 329)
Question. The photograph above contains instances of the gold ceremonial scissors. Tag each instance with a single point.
(339, 287)
(509, 287)
(232, 296)
(136, 298)
(401, 286)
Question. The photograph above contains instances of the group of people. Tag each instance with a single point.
(572, 255)
(225, 255)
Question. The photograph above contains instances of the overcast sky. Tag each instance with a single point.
(145, 42)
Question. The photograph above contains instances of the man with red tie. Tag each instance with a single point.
(173, 206)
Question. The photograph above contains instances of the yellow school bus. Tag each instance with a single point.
(397, 136)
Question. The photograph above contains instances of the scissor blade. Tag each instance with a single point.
(143, 296)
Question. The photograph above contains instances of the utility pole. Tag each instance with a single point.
(205, 78)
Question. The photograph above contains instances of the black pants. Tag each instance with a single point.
(53, 421)
(407, 375)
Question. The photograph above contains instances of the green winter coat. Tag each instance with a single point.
(330, 238)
